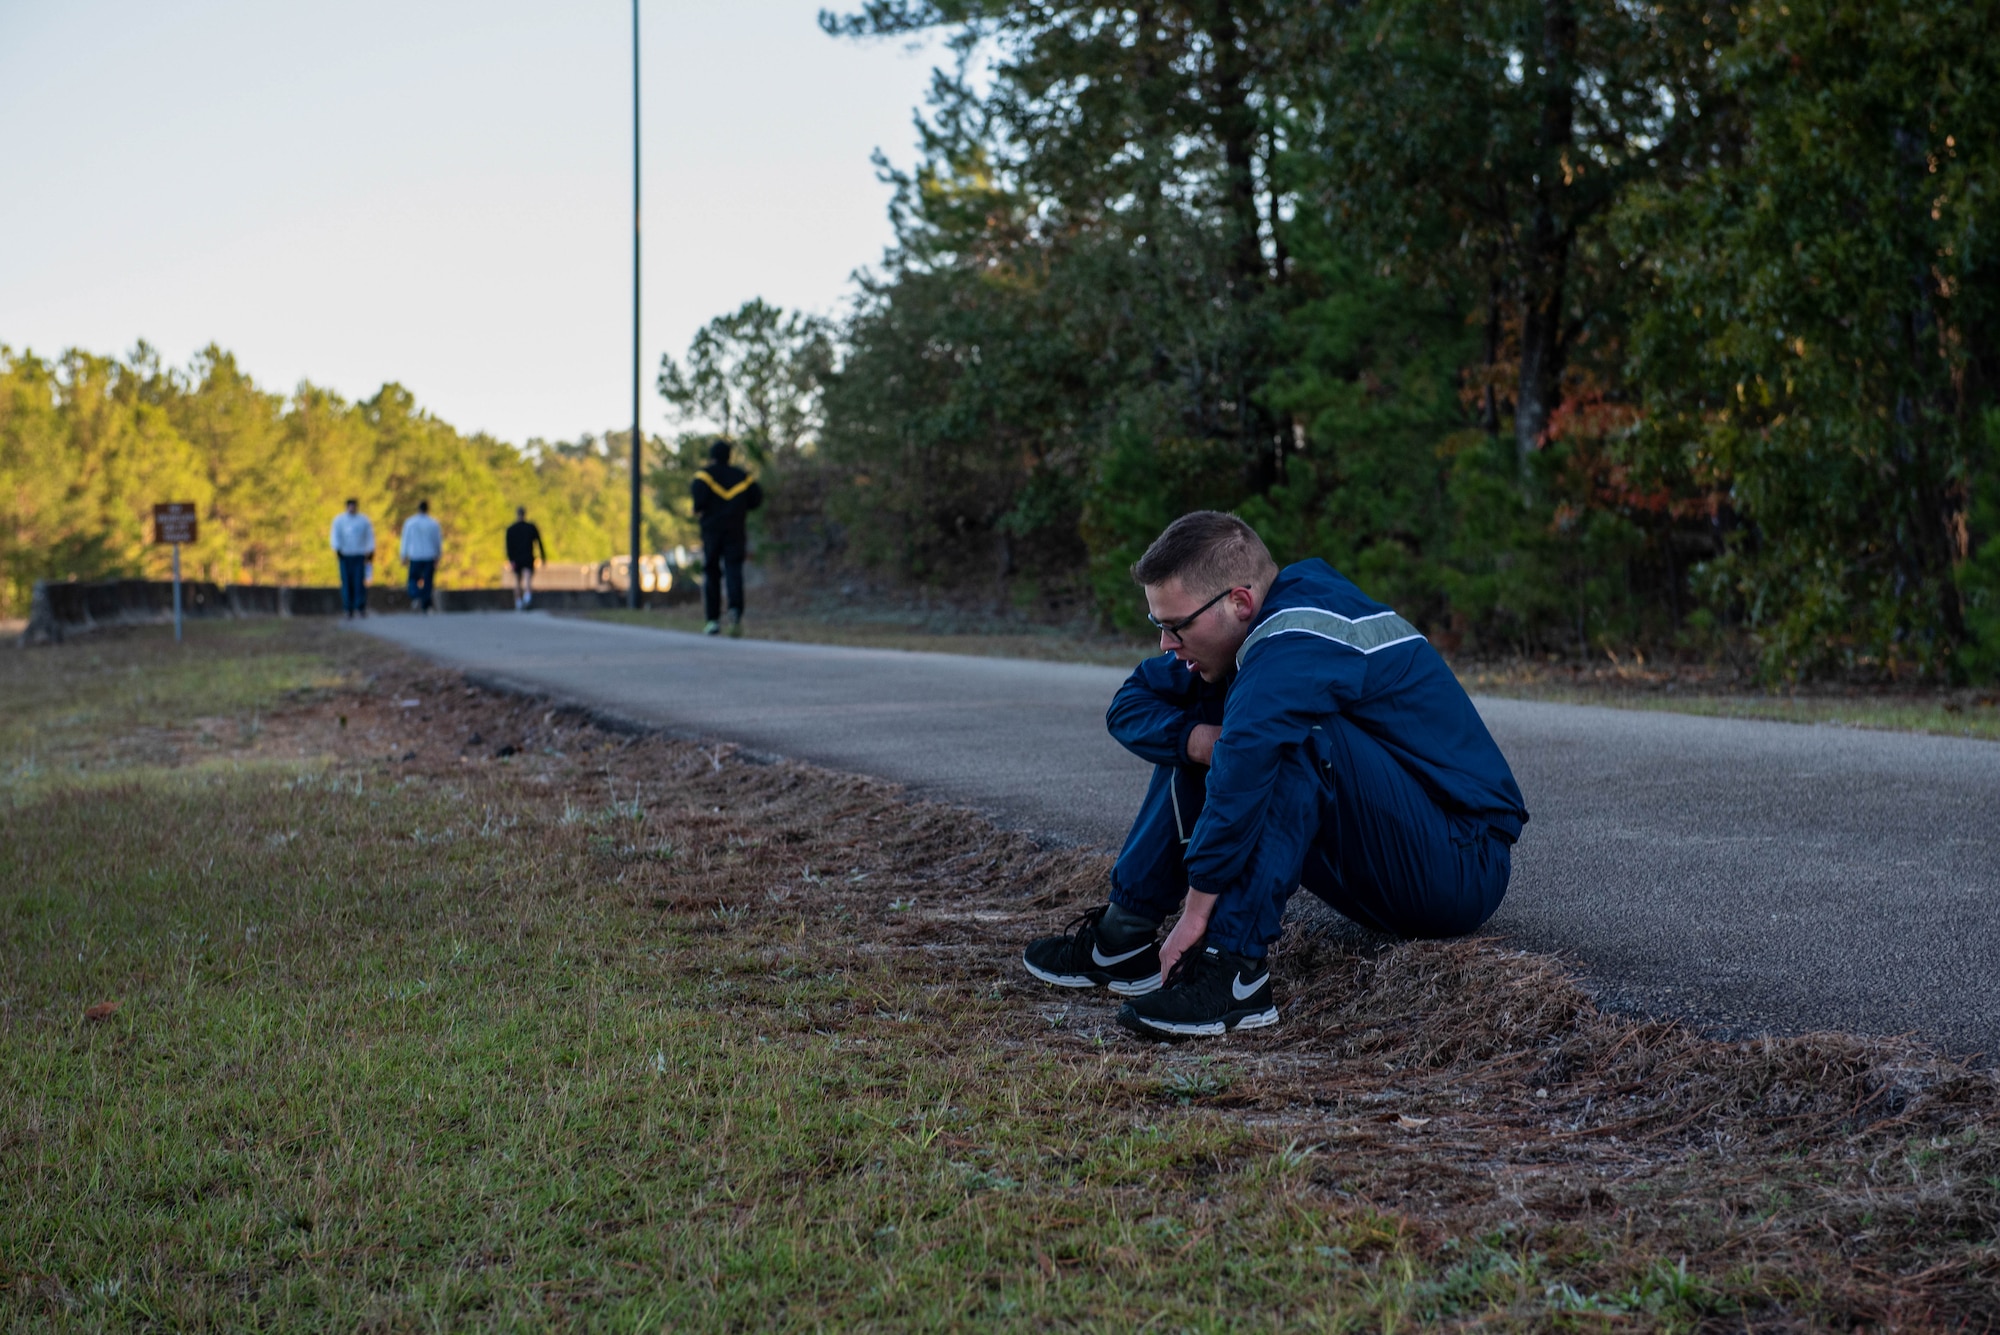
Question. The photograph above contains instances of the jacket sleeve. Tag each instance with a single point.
(699, 492)
(1289, 684)
(753, 497)
(1155, 710)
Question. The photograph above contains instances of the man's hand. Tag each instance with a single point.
(1188, 932)
(1201, 742)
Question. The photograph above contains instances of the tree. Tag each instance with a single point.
(261, 494)
(1821, 331)
(756, 374)
(85, 452)
(1090, 257)
(88, 445)
(1480, 145)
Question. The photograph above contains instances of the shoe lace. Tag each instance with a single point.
(1194, 962)
(1083, 928)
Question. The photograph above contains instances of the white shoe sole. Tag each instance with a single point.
(1137, 987)
(1210, 1028)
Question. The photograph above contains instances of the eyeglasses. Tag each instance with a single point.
(1174, 628)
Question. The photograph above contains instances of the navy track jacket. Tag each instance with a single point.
(1319, 648)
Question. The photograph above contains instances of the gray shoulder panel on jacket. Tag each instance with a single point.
(1364, 634)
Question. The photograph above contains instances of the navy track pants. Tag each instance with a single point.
(1345, 822)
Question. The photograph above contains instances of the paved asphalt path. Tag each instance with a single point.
(1757, 876)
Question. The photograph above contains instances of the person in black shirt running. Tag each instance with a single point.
(724, 495)
(524, 540)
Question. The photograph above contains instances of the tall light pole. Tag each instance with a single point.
(632, 593)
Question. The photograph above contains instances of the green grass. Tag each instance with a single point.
(632, 1035)
(387, 1053)
(115, 690)
(384, 1053)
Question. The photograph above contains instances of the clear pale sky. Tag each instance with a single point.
(436, 192)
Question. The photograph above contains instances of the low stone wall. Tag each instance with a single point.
(63, 609)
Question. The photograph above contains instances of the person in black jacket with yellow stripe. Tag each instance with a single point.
(724, 496)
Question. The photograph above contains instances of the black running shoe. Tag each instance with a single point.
(1079, 959)
(1209, 992)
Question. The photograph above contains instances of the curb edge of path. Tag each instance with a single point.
(610, 719)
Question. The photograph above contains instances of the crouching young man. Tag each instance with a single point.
(1304, 735)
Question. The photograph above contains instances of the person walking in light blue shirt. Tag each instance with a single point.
(420, 545)
(354, 544)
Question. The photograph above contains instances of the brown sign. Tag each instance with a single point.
(174, 522)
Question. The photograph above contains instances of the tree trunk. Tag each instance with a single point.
(1236, 129)
(1280, 257)
(1925, 410)
(1235, 124)
(1540, 387)
(1545, 261)
(1489, 401)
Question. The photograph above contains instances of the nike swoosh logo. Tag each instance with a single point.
(1098, 957)
(1242, 992)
